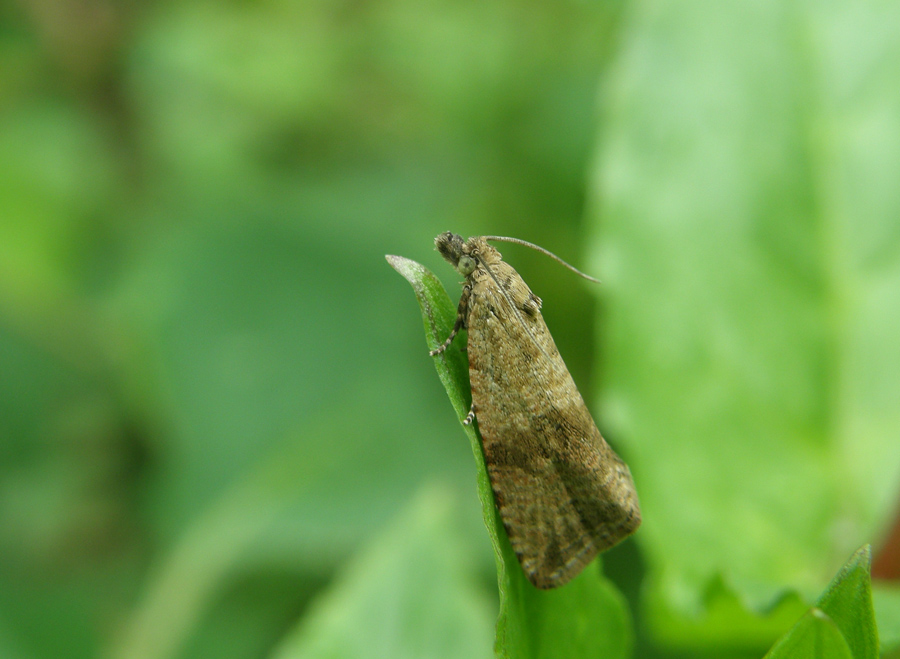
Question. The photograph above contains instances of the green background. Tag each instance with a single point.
(220, 431)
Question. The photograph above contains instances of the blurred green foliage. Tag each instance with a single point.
(220, 432)
(748, 235)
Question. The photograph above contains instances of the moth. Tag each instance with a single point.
(563, 494)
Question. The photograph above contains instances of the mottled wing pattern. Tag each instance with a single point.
(563, 493)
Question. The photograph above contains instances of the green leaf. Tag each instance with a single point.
(439, 314)
(842, 623)
(746, 233)
(886, 599)
(289, 509)
(585, 618)
(815, 636)
(409, 593)
(848, 601)
(726, 623)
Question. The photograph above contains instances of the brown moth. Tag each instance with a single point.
(562, 492)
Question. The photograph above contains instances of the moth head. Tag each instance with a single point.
(452, 248)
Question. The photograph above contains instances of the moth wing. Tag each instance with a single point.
(562, 492)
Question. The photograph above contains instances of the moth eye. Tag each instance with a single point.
(466, 265)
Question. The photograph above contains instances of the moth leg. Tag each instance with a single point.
(461, 313)
(446, 344)
(470, 416)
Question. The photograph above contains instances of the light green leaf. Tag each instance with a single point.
(409, 594)
(848, 601)
(842, 623)
(815, 636)
(585, 618)
(886, 600)
(746, 233)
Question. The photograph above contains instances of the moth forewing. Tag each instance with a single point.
(562, 492)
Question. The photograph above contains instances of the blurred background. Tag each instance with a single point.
(213, 388)
(215, 396)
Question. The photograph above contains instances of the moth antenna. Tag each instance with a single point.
(514, 308)
(546, 252)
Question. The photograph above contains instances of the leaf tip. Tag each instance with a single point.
(410, 270)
